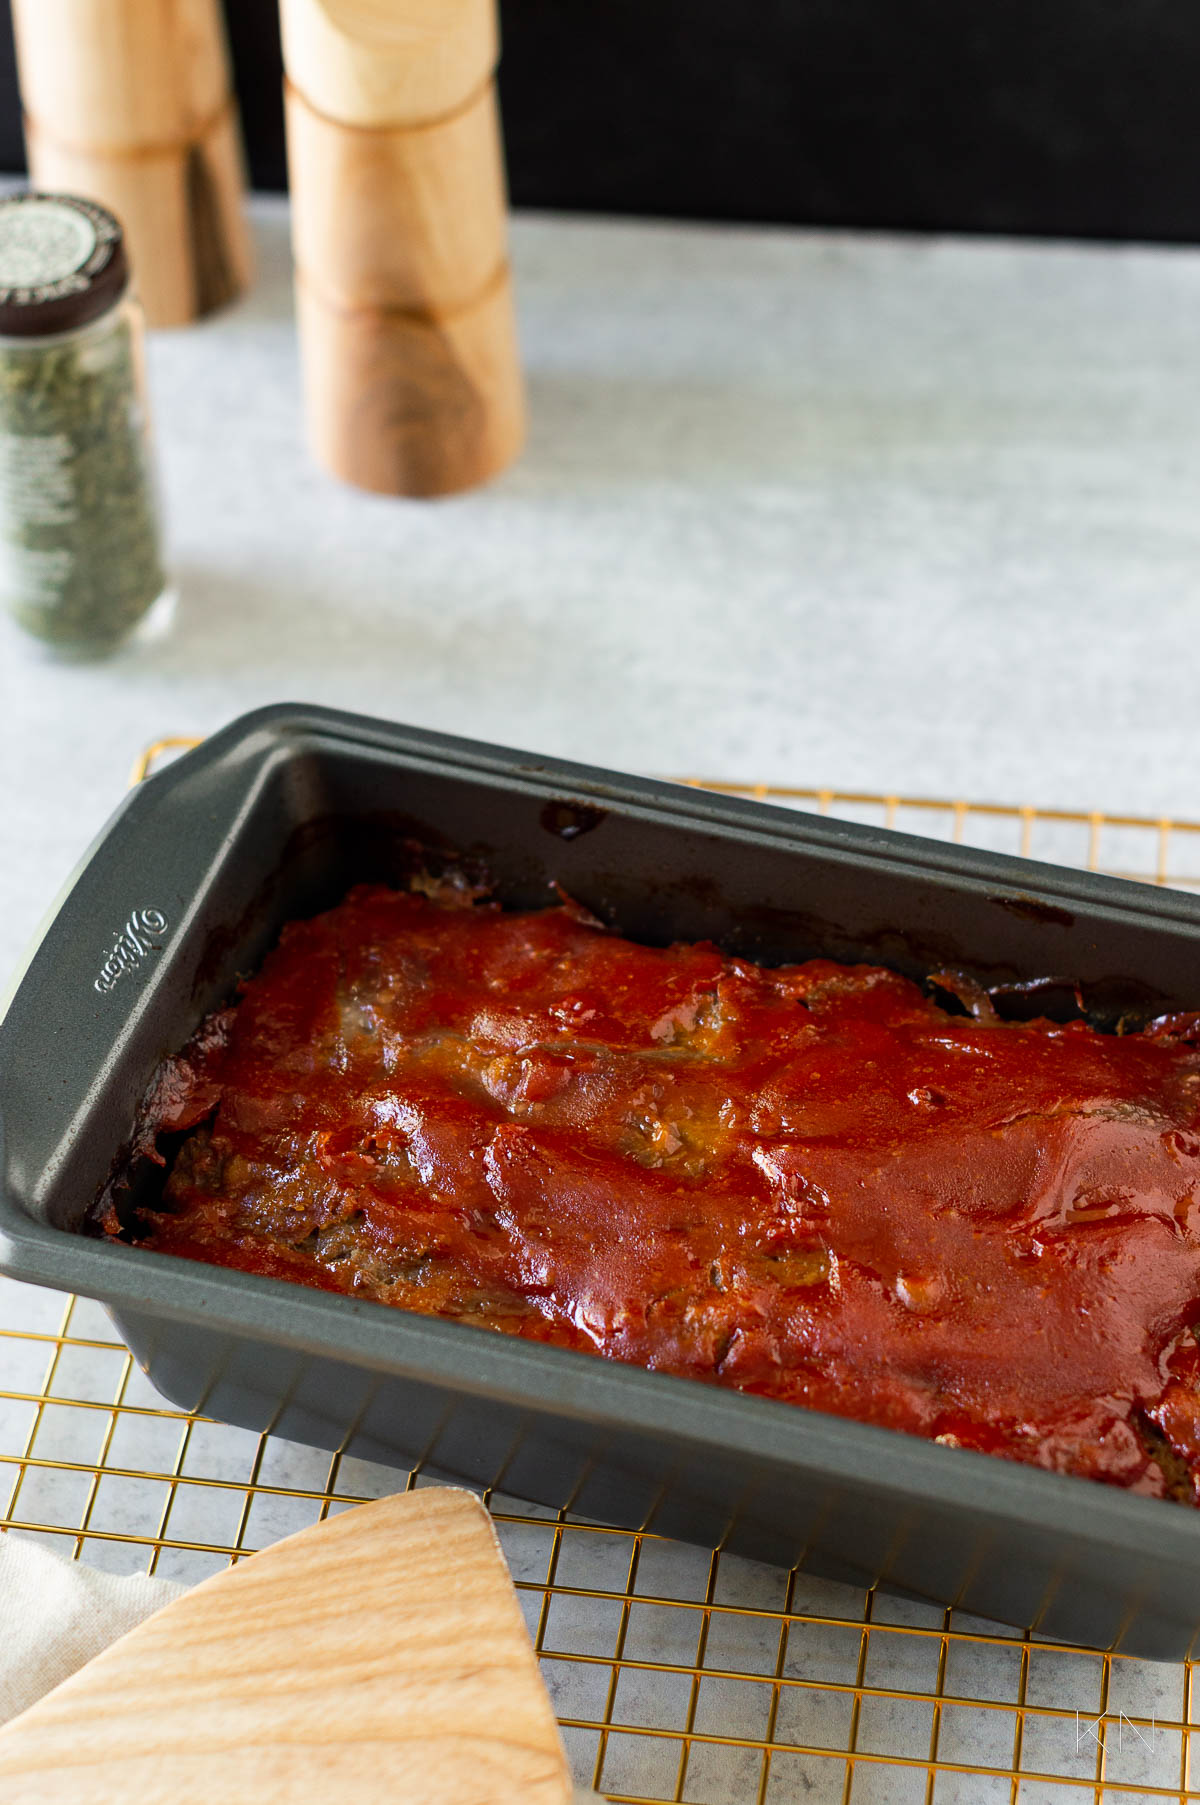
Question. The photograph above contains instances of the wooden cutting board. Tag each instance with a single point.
(379, 1656)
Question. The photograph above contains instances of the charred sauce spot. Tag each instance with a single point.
(571, 820)
(1033, 908)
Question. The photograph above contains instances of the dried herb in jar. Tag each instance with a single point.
(80, 550)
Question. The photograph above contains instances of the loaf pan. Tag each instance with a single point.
(274, 818)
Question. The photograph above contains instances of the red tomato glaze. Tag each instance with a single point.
(810, 1182)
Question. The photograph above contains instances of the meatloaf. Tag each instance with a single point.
(817, 1183)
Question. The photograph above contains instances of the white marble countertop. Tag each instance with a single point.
(803, 507)
(809, 507)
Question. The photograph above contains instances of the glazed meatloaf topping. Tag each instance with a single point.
(812, 1182)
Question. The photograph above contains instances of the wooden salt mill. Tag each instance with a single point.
(411, 369)
(129, 103)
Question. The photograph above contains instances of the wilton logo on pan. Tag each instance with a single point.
(141, 934)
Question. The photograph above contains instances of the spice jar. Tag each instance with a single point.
(80, 546)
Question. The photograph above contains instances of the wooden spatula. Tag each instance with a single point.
(379, 1656)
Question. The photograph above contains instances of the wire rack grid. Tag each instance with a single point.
(678, 1674)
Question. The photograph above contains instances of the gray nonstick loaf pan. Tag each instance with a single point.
(275, 817)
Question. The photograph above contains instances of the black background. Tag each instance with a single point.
(1063, 117)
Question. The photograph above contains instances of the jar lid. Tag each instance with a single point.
(62, 263)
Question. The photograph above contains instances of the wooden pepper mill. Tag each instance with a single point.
(129, 102)
(412, 374)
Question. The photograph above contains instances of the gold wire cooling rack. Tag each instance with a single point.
(677, 1673)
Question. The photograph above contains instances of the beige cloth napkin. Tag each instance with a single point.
(56, 1614)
